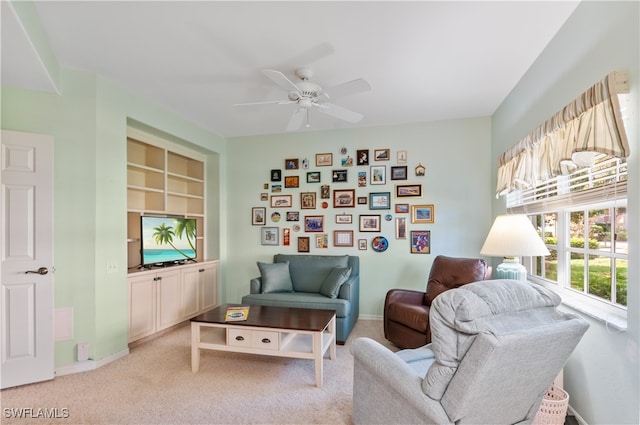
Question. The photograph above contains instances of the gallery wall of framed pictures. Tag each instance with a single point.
(335, 200)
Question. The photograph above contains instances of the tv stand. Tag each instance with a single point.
(162, 297)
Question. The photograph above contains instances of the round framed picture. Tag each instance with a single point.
(379, 244)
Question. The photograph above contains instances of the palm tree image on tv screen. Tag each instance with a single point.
(168, 240)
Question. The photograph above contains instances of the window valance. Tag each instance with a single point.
(590, 124)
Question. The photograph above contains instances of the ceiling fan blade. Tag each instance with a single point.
(280, 80)
(339, 112)
(266, 102)
(297, 118)
(346, 89)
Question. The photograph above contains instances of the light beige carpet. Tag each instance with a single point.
(155, 385)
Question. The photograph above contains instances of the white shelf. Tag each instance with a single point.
(160, 181)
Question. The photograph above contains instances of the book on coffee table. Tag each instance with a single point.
(235, 314)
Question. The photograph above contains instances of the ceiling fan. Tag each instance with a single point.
(308, 95)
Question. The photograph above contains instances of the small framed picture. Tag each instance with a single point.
(399, 173)
(344, 219)
(369, 223)
(257, 216)
(401, 227)
(291, 164)
(362, 200)
(322, 240)
(343, 238)
(379, 201)
(378, 174)
(264, 196)
(339, 176)
(293, 215)
(269, 235)
(422, 214)
(275, 188)
(344, 198)
(362, 179)
(347, 161)
(401, 157)
(324, 159)
(286, 236)
(303, 243)
(408, 190)
(402, 208)
(420, 170)
(276, 175)
(314, 223)
(325, 193)
(308, 200)
(420, 241)
(382, 154)
(313, 177)
(362, 156)
(291, 181)
(281, 201)
(362, 244)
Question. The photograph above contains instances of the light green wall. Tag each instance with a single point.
(89, 123)
(603, 375)
(457, 157)
(71, 120)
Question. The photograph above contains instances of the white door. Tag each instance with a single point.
(26, 258)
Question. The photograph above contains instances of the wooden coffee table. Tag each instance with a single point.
(271, 331)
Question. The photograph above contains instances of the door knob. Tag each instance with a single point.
(41, 270)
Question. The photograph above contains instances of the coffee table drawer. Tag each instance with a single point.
(265, 340)
(239, 337)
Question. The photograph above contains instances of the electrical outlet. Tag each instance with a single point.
(82, 351)
(112, 268)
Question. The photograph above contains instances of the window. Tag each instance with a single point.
(582, 217)
(579, 207)
(588, 247)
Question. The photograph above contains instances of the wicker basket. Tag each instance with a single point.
(553, 409)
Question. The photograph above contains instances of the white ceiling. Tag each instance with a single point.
(425, 60)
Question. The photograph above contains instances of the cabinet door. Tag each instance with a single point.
(190, 292)
(208, 285)
(169, 299)
(142, 307)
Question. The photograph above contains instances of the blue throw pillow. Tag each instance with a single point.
(331, 285)
(275, 277)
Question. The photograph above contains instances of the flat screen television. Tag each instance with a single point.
(167, 240)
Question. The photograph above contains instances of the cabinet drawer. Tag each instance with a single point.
(239, 337)
(265, 340)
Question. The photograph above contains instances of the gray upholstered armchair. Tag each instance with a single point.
(496, 347)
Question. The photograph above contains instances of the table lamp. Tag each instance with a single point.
(513, 236)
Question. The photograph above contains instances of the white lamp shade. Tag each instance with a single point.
(513, 235)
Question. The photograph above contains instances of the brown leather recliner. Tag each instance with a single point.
(406, 312)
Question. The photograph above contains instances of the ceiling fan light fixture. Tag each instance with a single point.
(305, 102)
(293, 96)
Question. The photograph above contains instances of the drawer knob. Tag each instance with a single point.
(239, 338)
(266, 340)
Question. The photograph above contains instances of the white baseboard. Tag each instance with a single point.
(575, 414)
(369, 317)
(87, 365)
